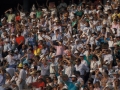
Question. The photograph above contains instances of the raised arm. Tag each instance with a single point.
(18, 7)
(47, 4)
(37, 4)
(7, 10)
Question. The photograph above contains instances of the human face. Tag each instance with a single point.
(73, 79)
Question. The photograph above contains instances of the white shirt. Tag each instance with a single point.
(81, 68)
(29, 80)
(108, 58)
(43, 51)
(22, 74)
(93, 65)
(91, 40)
(7, 47)
(84, 62)
(22, 14)
(111, 44)
(54, 37)
(57, 27)
(10, 60)
(86, 30)
(51, 68)
(118, 31)
(68, 70)
(40, 37)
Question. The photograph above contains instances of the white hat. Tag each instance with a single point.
(73, 76)
(76, 51)
(81, 55)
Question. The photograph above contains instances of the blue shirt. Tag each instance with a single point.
(71, 85)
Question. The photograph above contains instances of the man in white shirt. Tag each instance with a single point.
(9, 58)
(81, 68)
(82, 60)
(21, 77)
(57, 36)
(52, 68)
(108, 58)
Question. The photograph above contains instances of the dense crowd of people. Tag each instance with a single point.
(64, 47)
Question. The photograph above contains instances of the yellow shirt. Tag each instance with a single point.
(10, 17)
(37, 52)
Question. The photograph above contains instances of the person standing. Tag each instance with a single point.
(9, 15)
(20, 40)
(21, 77)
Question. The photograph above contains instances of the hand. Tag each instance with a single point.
(10, 9)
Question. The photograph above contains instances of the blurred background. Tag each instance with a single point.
(27, 4)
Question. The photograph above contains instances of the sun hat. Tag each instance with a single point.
(33, 72)
(73, 76)
(20, 65)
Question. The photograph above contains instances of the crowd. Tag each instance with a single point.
(64, 47)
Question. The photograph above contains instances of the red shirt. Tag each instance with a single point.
(17, 18)
(38, 84)
(40, 46)
(20, 39)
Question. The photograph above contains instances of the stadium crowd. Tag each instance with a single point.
(64, 47)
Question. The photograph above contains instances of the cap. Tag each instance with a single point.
(20, 65)
(73, 76)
